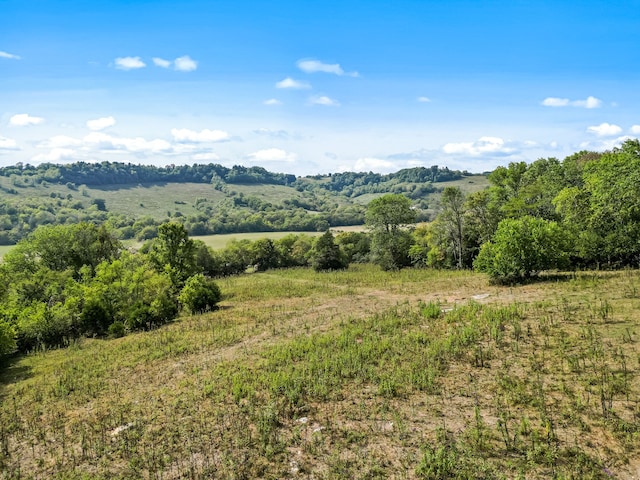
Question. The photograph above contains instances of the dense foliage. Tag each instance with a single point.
(52, 194)
(69, 281)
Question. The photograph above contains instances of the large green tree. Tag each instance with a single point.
(388, 217)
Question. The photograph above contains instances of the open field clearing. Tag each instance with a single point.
(357, 374)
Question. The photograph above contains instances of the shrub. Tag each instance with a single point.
(200, 294)
(522, 248)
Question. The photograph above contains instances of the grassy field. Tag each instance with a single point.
(357, 374)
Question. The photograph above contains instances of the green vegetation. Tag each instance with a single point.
(298, 374)
(207, 199)
(367, 370)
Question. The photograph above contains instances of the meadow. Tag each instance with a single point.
(357, 374)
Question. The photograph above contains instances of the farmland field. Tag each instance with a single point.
(354, 374)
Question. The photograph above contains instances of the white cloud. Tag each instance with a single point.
(324, 100)
(589, 102)
(272, 155)
(272, 133)
(24, 119)
(129, 63)
(605, 130)
(604, 144)
(315, 66)
(374, 164)
(101, 123)
(272, 101)
(60, 141)
(161, 62)
(8, 144)
(206, 157)
(206, 135)
(424, 99)
(9, 55)
(102, 141)
(635, 129)
(55, 155)
(482, 146)
(291, 83)
(185, 64)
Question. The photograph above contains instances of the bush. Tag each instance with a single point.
(522, 248)
(200, 294)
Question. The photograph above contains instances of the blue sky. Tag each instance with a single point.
(316, 86)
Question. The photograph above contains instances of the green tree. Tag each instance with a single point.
(174, 253)
(326, 254)
(523, 247)
(452, 220)
(387, 217)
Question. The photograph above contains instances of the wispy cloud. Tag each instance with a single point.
(293, 84)
(315, 66)
(272, 133)
(8, 55)
(604, 144)
(206, 135)
(101, 123)
(206, 157)
(324, 100)
(635, 129)
(161, 62)
(8, 144)
(60, 141)
(24, 119)
(272, 155)
(56, 155)
(272, 102)
(605, 130)
(129, 63)
(185, 64)
(589, 102)
(494, 146)
(367, 164)
(424, 99)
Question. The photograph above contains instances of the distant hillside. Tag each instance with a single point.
(207, 199)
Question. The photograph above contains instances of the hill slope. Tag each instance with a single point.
(356, 374)
(208, 199)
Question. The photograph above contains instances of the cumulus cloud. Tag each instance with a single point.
(604, 144)
(482, 146)
(206, 135)
(293, 84)
(605, 130)
(161, 62)
(8, 144)
(129, 63)
(367, 164)
(101, 123)
(424, 99)
(55, 155)
(272, 102)
(60, 141)
(8, 55)
(315, 66)
(24, 119)
(102, 141)
(185, 64)
(272, 155)
(589, 102)
(324, 100)
(635, 129)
